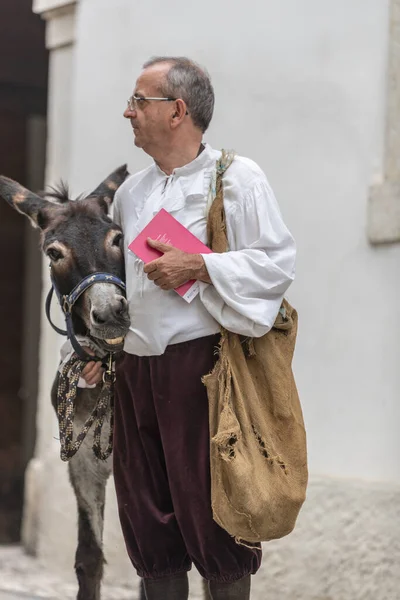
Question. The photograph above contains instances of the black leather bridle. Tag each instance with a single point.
(67, 302)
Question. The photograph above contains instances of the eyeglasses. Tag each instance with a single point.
(136, 102)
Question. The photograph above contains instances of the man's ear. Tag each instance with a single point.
(179, 113)
(109, 186)
(24, 201)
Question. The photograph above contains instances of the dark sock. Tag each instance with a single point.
(175, 587)
(237, 590)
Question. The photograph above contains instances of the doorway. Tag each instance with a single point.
(23, 103)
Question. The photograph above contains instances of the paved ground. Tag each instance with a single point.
(8, 596)
(23, 578)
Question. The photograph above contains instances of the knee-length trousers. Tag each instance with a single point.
(162, 467)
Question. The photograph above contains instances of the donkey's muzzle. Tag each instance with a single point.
(115, 312)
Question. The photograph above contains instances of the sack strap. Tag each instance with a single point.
(218, 242)
(216, 225)
(225, 161)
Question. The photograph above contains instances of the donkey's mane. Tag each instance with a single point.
(60, 193)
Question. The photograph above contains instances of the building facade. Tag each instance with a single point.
(310, 91)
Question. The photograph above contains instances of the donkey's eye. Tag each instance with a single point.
(54, 254)
(117, 240)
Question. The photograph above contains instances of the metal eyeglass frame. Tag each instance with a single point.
(134, 100)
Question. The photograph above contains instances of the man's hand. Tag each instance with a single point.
(175, 267)
(92, 373)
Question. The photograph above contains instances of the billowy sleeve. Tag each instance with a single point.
(250, 280)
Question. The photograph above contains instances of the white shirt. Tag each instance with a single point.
(248, 282)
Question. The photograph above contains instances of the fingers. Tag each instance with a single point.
(92, 373)
(159, 280)
(154, 276)
(89, 368)
(151, 266)
(159, 245)
(152, 271)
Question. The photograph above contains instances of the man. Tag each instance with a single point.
(161, 449)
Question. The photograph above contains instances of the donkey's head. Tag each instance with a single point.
(79, 238)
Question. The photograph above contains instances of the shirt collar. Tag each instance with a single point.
(203, 160)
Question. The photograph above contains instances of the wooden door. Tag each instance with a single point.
(12, 230)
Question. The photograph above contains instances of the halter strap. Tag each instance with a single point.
(48, 314)
(67, 302)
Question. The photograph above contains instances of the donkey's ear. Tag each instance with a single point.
(109, 186)
(24, 201)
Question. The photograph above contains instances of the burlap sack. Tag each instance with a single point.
(258, 441)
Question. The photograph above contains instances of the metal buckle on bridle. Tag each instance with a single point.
(66, 305)
(109, 373)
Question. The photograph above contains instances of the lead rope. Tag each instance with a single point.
(66, 397)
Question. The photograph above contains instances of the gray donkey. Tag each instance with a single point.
(80, 239)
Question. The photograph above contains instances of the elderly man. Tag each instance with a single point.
(161, 450)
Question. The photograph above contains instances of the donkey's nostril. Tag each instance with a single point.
(97, 318)
(122, 306)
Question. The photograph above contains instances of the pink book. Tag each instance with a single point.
(166, 229)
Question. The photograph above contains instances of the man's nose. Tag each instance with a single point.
(129, 113)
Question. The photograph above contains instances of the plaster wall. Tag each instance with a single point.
(300, 88)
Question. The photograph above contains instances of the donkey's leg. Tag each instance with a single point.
(206, 591)
(89, 477)
(142, 593)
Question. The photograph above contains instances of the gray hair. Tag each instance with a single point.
(187, 80)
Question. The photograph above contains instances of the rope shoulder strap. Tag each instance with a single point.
(216, 224)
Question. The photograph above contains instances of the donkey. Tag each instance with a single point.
(79, 238)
